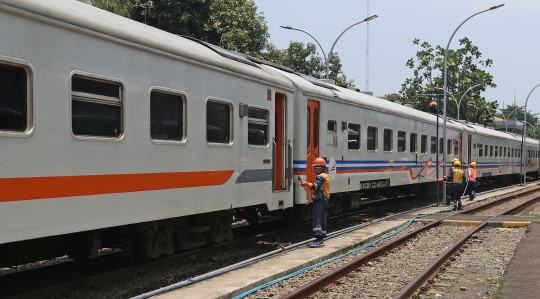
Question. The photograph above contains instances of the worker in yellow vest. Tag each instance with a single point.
(455, 184)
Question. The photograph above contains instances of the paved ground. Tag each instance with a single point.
(522, 279)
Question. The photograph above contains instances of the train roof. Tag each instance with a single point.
(92, 19)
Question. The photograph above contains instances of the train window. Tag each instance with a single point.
(480, 148)
(423, 144)
(353, 136)
(257, 126)
(491, 151)
(331, 126)
(449, 147)
(496, 151)
(166, 116)
(441, 145)
(513, 154)
(486, 152)
(413, 143)
(401, 141)
(433, 147)
(96, 108)
(372, 140)
(456, 147)
(13, 98)
(387, 138)
(505, 152)
(218, 122)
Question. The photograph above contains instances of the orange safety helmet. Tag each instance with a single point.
(319, 162)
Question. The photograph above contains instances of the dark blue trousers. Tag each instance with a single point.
(319, 217)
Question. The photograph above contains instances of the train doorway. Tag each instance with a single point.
(312, 152)
(280, 143)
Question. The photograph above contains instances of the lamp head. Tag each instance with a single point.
(286, 27)
(371, 18)
(495, 7)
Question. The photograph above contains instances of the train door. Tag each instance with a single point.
(312, 152)
(460, 148)
(469, 149)
(280, 144)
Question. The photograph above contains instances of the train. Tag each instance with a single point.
(117, 134)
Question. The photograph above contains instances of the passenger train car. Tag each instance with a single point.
(117, 134)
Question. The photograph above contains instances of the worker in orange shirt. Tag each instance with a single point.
(471, 176)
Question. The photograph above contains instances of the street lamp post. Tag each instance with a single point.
(146, 6)
(458, 103)
(523, 172)
(327, 58)
(508, 117)
(446, 79)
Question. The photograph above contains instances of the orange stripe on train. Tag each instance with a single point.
(14, 189)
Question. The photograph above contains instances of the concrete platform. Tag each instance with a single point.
(522, 279)
(239, 281)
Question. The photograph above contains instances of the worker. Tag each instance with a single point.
(471, 176)
(455, 180)
(433, 107)
(320, 196)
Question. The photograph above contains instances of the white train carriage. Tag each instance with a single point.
(106, 123)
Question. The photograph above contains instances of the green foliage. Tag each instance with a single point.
(304, 59)
(231, 24)
(515, 112)
(465, 70)
(119, 7)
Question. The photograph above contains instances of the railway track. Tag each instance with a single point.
(418, 284)
(248, 235)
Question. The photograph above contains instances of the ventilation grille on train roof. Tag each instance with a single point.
(317, 82)
(224, 52)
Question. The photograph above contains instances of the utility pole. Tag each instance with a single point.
(367, 50)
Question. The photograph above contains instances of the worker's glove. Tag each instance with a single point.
(306, 184)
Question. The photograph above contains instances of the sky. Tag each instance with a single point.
(505, 35)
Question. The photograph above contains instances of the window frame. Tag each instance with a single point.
(415, 143)
(480, 148)
(433, 140)
(268, 127)
(122, 92)
(174, 92)
(359, 136)
(376, 142)
(391, 140)
(404, 142)
(30, 83)
(424, 137)
(231, 125)
(335, 126)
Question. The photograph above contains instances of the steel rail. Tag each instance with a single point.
(418, 284)
(313, 287)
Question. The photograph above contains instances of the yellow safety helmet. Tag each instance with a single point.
(457, 163)
(454, 160)
(473, 164)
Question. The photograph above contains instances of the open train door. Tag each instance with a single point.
(312, 152)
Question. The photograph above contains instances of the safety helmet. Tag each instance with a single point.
(454, 160)
(319, 162)
(473, 164)
(457, 163)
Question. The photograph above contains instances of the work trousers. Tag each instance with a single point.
(319, 217)
(471, 188)
(454, 191)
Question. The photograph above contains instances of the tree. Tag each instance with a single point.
(232, 24)
(515, 111)
(304, 59)
(465, 70)
(119, 7)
